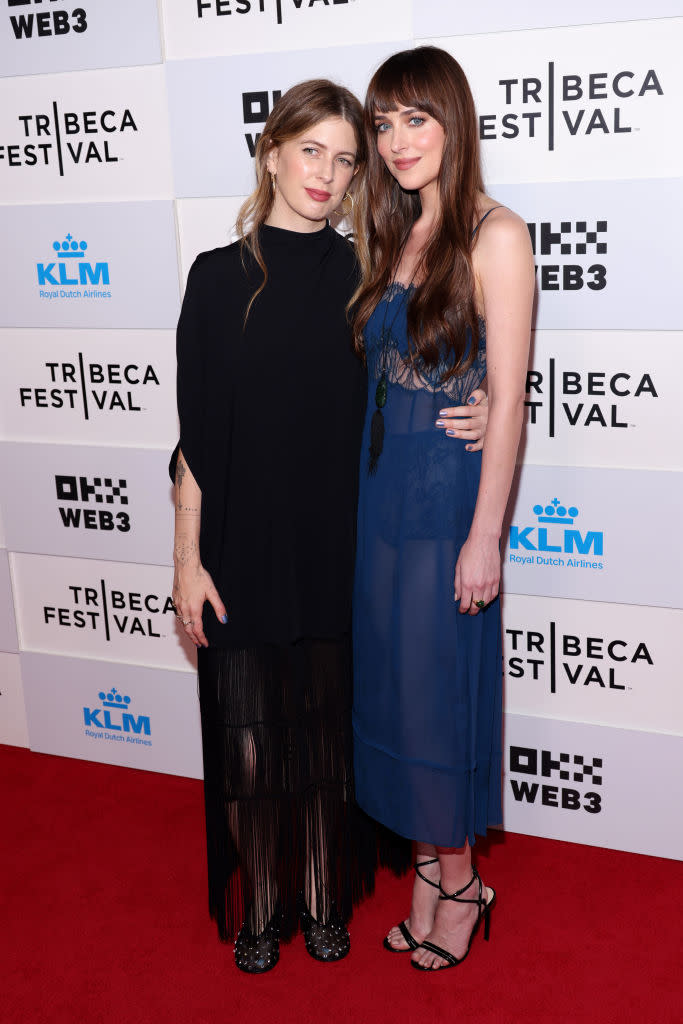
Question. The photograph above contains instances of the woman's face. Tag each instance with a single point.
(313, 171)
(411, 144)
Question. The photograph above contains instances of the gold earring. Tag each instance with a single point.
(272, 181)
(342, 212)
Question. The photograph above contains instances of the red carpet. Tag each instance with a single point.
(103, 920)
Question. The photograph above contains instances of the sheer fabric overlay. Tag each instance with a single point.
(280, 812)
(427, 680)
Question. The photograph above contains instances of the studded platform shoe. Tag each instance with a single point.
(325, 942)
(258, 953)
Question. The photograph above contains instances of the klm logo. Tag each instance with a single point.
(555, 536)
(114, 721)
(536, 538)
(70, 266)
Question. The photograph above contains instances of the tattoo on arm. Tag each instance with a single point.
(185, 552)
(181, 470)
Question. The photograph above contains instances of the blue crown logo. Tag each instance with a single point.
(70, 249)
(554, 512)
(113, 699)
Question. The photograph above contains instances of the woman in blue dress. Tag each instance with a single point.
(446, 300)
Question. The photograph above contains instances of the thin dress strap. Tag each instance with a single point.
(500, 207)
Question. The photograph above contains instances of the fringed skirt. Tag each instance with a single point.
(281, 819)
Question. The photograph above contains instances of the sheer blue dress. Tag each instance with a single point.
(427, 680)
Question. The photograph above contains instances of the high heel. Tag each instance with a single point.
(258, 953)
(484, 908)
(402, 926)
(327, 942)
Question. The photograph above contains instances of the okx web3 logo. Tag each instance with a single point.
(71, 274)
(556, 781)
(76, 496)
(111, 719)
(554, 540)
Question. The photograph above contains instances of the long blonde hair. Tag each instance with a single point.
(299, 109)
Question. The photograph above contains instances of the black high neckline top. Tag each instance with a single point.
(271, 416)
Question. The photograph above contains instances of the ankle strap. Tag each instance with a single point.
(455, 896)
(424, 864)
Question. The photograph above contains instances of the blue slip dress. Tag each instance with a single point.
(427, 680)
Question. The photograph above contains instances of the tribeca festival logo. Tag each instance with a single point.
(557, 106)
(207, 9)
(584, 398)
(572, 238)
(113, 721)
(577, 769)
(567, 660)
(46, 23)
(64, 139)
(104, 609)
(547, 544)
(68, 267)
(75, 491)
(90, 387)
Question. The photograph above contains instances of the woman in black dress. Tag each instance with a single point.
(271, 403)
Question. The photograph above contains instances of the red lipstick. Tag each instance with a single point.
(318, 195)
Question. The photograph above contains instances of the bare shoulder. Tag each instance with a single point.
(502, 227)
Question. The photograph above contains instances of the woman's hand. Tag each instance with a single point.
(477, 573)
(192, 586)
(467, 422)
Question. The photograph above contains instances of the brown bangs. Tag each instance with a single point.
(441, 313)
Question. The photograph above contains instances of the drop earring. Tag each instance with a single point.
(342, 212)
(272, 181)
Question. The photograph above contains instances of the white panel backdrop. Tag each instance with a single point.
(118, 166)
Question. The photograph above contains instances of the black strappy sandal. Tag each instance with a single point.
(402, 926)
(484, 908)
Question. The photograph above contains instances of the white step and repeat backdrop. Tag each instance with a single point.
(127, 133)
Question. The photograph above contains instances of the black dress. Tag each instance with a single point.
(270, 424)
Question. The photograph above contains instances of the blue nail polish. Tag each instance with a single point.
(450, 433)
(468, 447)
(224, 619)
(440, 423)
(471, 400)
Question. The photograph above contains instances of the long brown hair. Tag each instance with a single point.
(298, 110)
(442, 307)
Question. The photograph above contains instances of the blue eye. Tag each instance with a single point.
(381, 126)
(416, 120)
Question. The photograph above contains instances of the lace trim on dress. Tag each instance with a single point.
(387, 355)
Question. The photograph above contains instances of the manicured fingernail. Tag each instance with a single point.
(440, 423)
(224, 619)
(468, 447)
(451, 433)
(471, 400)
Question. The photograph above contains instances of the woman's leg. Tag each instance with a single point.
(453, 922)
(424, 902)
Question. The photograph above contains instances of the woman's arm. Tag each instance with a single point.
(504, 267)
(192, 585)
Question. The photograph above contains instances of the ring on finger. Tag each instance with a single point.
(481, 603)
(187, 622)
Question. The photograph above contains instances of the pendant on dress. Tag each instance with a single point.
(381, 392)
